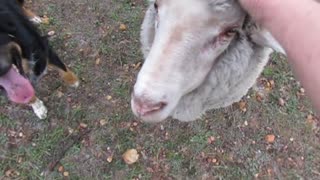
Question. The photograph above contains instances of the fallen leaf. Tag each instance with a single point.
(211, 139)
(270, 138)
(103, 122)
(83, 125)
(9, 172)
(123, 27)
(109, 98)
(243, 106)
(98, 60)
(259, 97)
(59, 94)
(45, 20)
(214, 160)
(130, 156)
(109, 159)
(272, 83)
(61, 169)
(66, 173)
(310, 117)
(134, 124)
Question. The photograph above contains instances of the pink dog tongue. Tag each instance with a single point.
(18, 88)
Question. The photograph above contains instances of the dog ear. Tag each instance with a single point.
(7, 25)
(261, 36)
(5, 60)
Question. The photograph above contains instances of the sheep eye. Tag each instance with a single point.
(156, 6)
(230, 32)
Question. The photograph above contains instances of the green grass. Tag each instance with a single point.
(170, 149)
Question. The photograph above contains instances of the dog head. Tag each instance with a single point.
(12, 79)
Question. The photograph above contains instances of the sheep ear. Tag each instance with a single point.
(147, 33)
(264, 38)
(261, 36)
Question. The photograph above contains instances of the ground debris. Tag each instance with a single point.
(130, 156)
(59, 151)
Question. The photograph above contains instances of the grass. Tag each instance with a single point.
(170, 150)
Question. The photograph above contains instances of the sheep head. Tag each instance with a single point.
(182, 41)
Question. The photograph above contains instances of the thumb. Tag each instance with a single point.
(257, 8)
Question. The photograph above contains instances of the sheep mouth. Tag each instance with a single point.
(17, 87)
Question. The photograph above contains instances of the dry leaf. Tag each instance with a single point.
(9, 172)
(109, 159)
(211, 139)
(243, 106)
(98, 60)
(259, 97)
(134, 124)
(214, 160)
(123, 27)
(59, 94)
(45, 20)
(103, 122)
(130, 156)
(109, 98)
(61, 169)
(270, 138)
(83, 125)
(310, 117)
(66, 173)
(272, 83)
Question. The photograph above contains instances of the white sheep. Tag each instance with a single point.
(199, 55)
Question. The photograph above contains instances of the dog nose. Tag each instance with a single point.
(146, 106)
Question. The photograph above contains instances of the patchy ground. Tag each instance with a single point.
(271, 134)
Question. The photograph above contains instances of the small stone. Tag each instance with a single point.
(281, 102)
(20, 134)
(51, 33)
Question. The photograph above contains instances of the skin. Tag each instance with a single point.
(295, 24)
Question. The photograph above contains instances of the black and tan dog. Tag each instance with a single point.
(25, 55)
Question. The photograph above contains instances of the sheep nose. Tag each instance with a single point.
(145, 106)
